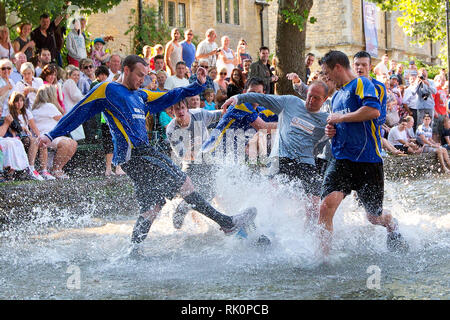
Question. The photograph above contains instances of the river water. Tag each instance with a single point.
(84, 256)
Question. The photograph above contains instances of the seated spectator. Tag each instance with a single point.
(47, 113)
(399, 139)
(194, 66)
(6, 84)
(101, 74)
(193, 102)
(392, 116)
(20, 58)
(159, 64)
(209, 99)
(6, 48)
(72, 95)
(161, 78)
(221, 94)
(236, 84)
(446, 134)
(44, 58)
(98, 55)
(30, 133)
(410, 133)
(387, 146)
(425, 135)
(209, 84)
(153, 83)
(29, 85)
(178, 79)
(212, 73)
(75, 44)
(114, 64)
(87, 75)
(49, 76)
(22, 43)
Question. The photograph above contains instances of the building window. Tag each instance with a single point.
(226, 8)
(173, 13)
(219, 11)
(181, 15)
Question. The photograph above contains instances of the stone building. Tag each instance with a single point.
(339, 25)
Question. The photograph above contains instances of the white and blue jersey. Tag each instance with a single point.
(357, 141)
(125, 110)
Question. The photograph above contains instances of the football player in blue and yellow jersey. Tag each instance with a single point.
(154, 175)
(357, 163)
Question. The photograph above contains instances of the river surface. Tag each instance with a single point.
(84, 256)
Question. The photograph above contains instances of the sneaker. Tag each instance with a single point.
(241, 220)
(46, 175)
(35, 175)
(179, 215)
(396, 243)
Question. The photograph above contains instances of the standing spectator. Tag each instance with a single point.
(47, 113)
(399, 73)
(44, 58)
(446, 134)
(440, 107)
(392, 116)
(309, 60)
(114, 64)
(188, 48)
(83, 28)
(382, 67)
(147, 53)
(75, 44)
(226, 58)
(44, 35)
(23, 43)
(174, 52)
(392, 67)
(425, 91)
(161, 78)
(6, 48)
(222, 83)
(6, 84)
(23, 116)
(411, 71)
(207, 49)
(193, 102)
(159, 49)
(236, 85)
(178, 79)
(242, 53)
(159, 64)
(29, 85)
(20, 58)
(87, 76)
(50, 77)
(410, 99)
(261, 69)
(246, 69)
(99, 56)
(72, 95)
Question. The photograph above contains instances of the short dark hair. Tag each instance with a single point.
(322, 84)
(310, 54)
(254, 81)
(403, 120)
(44, 16)
(363, 54)
(159, 57)
(101, 70)
(180, 62)
(44, 49)
(263, 48)
(131, 61)
(333, 57)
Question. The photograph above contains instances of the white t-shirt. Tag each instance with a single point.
(395, 135)
(5, 97)
(175, 82)
(43, 116)
(206, 47)
(36, 83)
(22, 121)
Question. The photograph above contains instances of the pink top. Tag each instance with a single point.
(97, 63)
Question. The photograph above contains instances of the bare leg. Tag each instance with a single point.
(64, 152)
(328, 208)
(43, 158)
(312, 210)
(385, 220)
(143, 224)
(440, 156)
(32, 151)
(108, 163)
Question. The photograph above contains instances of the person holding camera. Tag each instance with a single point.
(425, 90)
(208, 49)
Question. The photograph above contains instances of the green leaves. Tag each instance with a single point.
(293, 14)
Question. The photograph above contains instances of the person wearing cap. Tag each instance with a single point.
(411, 71)
(99, 56)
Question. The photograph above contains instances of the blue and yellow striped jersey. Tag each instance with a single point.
(357, 141)
(266, 115)
(125, 110)
(381, 92)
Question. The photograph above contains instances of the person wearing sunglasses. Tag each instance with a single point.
(87, 75)
(6, 84)
(188, 48)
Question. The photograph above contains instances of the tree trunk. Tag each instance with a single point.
(2, 13)
(290, 45)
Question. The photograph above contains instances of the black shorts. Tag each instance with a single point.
(401, 148)
(307, 174)
(108, 146)
(367, 179)
(155, 177)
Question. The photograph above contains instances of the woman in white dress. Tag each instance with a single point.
(6, 48)
(173, 52)
(29, 85)
(226, 59)
(47, 112)
(72, 95)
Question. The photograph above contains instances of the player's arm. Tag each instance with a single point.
(93, 103)
(272, 102)
(259, 124)
(364, 113)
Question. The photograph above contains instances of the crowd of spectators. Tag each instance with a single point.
(38, 86)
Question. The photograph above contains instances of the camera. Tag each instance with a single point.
(422, 77)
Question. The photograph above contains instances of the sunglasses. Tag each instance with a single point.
(88, 67)
(223, 73)
(6, 68)
(206, 67)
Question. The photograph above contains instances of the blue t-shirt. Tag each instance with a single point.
(357, 141)
(381, 92)
(237, 120)
(210, 106)
(188, 53)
